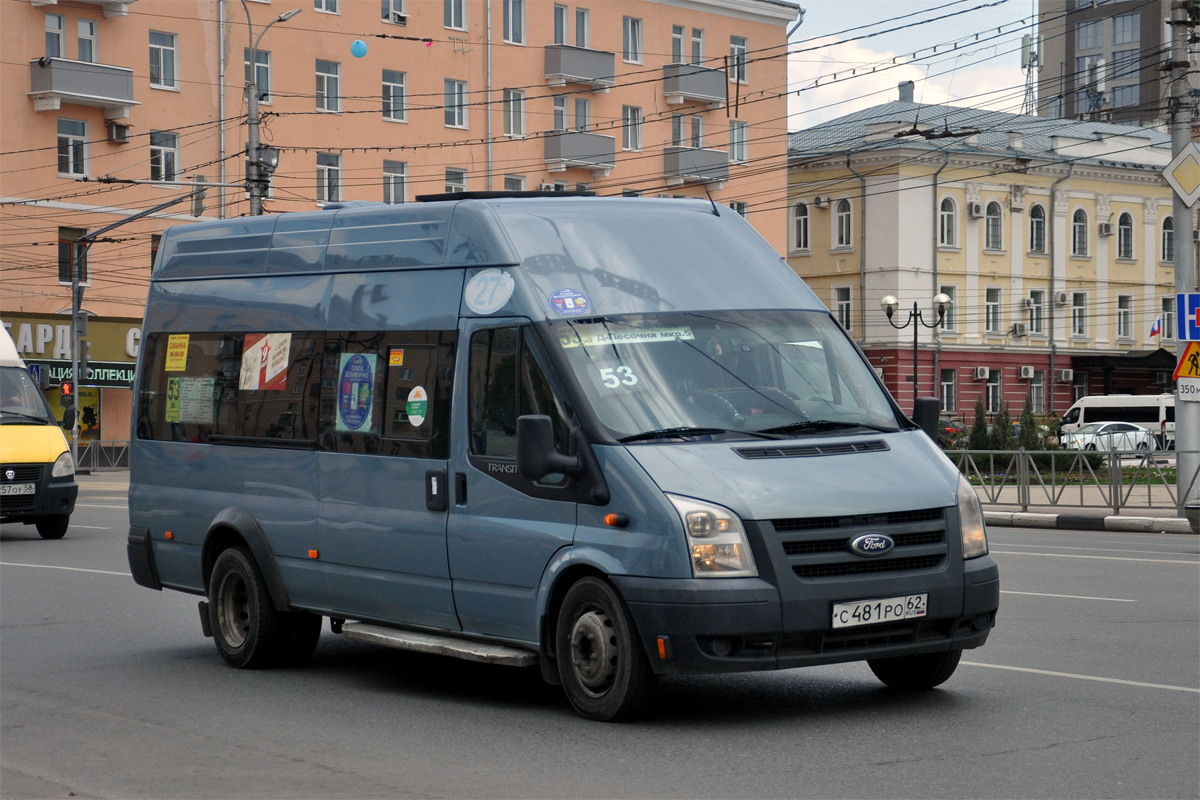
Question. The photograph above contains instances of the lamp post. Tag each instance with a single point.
(890, 304)
(256, 169)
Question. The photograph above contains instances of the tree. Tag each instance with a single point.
(1029, 427)
(979, 438)
(1003, 435)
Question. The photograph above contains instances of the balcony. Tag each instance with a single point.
(54, 81)
(694, 165)
(592, 151)
(566, 64)
(692, 83)
(110, 8)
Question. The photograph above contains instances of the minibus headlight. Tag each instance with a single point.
(970, 520)
(64, 466)
(716, 540)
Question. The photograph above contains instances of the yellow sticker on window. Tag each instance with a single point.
(395, 357)
(177, 350)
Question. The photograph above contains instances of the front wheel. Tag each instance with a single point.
(916, 672)
(603, 665)
(53, 527)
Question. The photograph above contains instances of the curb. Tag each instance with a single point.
(1087, 522)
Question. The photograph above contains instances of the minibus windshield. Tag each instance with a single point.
(789, 373)
(20, 400)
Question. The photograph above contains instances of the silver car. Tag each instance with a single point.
(1110, 436)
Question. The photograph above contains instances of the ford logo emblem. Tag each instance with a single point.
(872, 544)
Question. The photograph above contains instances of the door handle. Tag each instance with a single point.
(460, 488)
(435, 490)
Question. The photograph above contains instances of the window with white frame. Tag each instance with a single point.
(395, 181)
(560, 24)
(697, 138)
(631, 128)
(697, 45)
(994, 391)
(677, 130)
(455, 105)
(394, 105)
(1079, 303)
(1037, 229)
(738, 60)
(513, 107)
(88, 50)
(514, 183)
(164, 156)
(1125, 235)
(560, 113)
(164, 60)
(1037, 391)
(329, 177)
(326, 6)
(1168, 239)
(1079, 385)
(677, 37)
(454, 14)
(262, 72)
(393, 11)
(1079, 233)
(583, 28)
(800, 223)
(1037, 311)
(993, 227)
(632, 41)
(72, 148)
(329, 86)
(1125, 316)
(949, 320)
(456, 180)
(1089, 35)
(991, 310)
(842, 224)
(55, 43)
(741, 207)
(514, 21)
(1127, 29)
(583, 113)
(841, 305)
(949, 390)
(1167, 305)
(738, 148)
(947, 224)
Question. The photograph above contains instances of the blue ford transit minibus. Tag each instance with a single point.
(614, 438)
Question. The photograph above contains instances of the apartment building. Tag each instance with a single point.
(1054, 240)
(636, 97)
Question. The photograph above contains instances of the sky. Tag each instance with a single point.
(985, 74)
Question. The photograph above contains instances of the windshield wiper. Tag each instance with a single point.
(814, 425)
(686, 430)
(23, 415)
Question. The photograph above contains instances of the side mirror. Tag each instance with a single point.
(925, 413)
(68, 418)
(536, 454)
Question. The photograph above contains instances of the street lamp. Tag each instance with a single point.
(256, 169)
(890, 304)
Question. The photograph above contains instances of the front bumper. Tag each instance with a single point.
(53, 498)
(735, 625)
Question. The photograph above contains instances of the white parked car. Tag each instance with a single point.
(1109, 436)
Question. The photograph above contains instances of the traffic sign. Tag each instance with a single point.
(1183, 174)
(1187, 316)
(1189, 362)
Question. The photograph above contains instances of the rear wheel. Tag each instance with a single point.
(916, 672)
(53, 527)
(247, 629)
(603, 665)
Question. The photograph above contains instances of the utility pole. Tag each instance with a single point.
(258, 170)
(1185, 15)
(77, 261)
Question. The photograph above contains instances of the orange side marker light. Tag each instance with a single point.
(662, 648)
(313, 554)
(169, 535)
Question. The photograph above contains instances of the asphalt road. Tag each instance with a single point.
(1089, 687)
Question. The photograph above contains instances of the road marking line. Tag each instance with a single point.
(94, 505)
(1098, 549)
(69, 569)
(1100, 558)
(1069, 596)
(91, 527)
(1083, 677)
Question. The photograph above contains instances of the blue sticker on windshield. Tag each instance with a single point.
(569, 302)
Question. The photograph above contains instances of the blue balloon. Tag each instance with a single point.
(358, 48)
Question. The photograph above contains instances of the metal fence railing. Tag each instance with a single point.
(97, 456)
(1109, 479)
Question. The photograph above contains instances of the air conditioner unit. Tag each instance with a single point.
(981, 373)
(1162, 378)
(545, 187)
(974, 210)
(1025, 373)
(1027, 303)
(878, 372)
(821, 201)
(1065, 375)
(399, 17)
(1020, 329)
(1104, 228)
(118, 133)
(1060, 298)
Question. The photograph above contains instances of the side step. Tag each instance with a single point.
(485, 652)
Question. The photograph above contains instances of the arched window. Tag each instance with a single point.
(1125, 236)
(1079, 233)
(947, 224)
(1037, 229)
(801, 212)
(843, 223)
(1168, 239)
(993, 240)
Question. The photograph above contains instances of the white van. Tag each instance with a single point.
(1154, 412)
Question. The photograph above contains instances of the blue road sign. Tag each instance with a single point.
(36, 371)
(1187, 316)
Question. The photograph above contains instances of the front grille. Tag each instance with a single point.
(859, 521)
(26, 473)
(905, 517)
(16, 503)
(801, 643)
(811, 450)
(865, 567)
(835, 545)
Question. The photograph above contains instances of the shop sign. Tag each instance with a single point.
(107, 374)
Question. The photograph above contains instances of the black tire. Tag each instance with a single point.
(247, 629)
(53, 527)
(603, 666)
(911, 673)
(304, 632)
